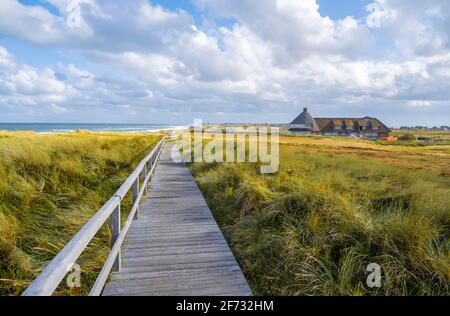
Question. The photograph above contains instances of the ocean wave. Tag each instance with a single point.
(71, 128)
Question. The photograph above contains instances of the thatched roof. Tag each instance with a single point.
(305, 118)
(324, 123)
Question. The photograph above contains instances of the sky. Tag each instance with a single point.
(254, 61)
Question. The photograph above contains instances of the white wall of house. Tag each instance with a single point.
(299, 133)
(300, 126)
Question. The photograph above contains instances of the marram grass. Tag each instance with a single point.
(50, 185)
(312, 228)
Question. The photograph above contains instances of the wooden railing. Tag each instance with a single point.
(47, 282)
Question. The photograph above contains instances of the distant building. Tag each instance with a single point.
(304, 124)
(367, 127)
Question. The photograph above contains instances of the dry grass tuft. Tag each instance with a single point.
(312, 228)
(50, 185)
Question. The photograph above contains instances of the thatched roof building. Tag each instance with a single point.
(304, 123)
(368, 127)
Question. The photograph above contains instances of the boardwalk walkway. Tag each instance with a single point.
(176, 247)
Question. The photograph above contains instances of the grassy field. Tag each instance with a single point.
(437, 135)
(50, 185)
(335, 206)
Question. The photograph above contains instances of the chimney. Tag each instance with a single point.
(305, 110)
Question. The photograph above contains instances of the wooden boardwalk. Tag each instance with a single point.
(175, 246)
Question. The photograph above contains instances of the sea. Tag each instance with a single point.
(73, 127)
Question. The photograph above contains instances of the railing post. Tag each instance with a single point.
(115, 226)
(135, 192)
(144, 176)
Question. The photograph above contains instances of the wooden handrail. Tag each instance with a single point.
(47, 282)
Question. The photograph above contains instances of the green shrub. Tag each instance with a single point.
(407, 137)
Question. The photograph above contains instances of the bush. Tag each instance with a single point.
(407, 137)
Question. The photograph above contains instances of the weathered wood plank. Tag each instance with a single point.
(199, 290)
(196, 266)
(176, 247)
(177, 273)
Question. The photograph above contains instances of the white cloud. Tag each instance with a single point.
(273, 57)
(31, 23)
(292, 29)
(5, 58)
(421, 103)
(23, 85)
(416, 26)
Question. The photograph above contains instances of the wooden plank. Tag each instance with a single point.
(174, 251)
(175, 247)
(187, 283)
(199, 290)
(214, 271)
(197, 266)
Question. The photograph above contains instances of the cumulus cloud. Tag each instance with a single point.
(23, 79)
(270, 59)
(30, 92)
(417, 27)
(293, 29)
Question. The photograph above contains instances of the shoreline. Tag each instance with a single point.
(117, 131)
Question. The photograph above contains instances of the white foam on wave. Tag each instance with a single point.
(121, 129)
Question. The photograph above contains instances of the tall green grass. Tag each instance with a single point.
(50, 185)
(312, 228)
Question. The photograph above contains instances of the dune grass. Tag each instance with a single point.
(50, 185)
(333, 208)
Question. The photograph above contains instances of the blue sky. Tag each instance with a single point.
(224, 61)
(343, 8)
